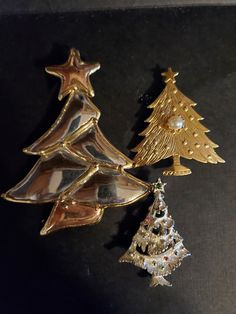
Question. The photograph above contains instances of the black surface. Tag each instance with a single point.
(76, 270)
(62, 6)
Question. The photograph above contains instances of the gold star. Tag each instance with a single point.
(74, 74)
(170, 75)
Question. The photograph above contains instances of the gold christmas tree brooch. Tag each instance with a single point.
(78, 170)
(175, 131)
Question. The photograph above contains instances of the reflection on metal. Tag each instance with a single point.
(71, 214)
(78, 169)
(49, 177)
(93, 146)
(77, 111)
(108, 188)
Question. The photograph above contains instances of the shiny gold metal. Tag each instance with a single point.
(75, 215)
(93, 146)
(78, 169)
(78, 112)
(108, 188)
(84, 202)
(74, 74)
(51, 175)
(174, 131)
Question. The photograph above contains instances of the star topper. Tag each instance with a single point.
(170, 75)
(158, 186)
(74, 74)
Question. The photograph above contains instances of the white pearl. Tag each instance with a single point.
(176, 122)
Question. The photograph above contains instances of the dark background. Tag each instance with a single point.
(77, 270)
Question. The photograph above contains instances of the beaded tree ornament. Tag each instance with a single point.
(157, 247)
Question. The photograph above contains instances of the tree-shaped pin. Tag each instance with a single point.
(174, 130)
(157, 246)
(78, 170)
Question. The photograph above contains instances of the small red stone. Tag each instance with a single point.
(148, 220)
(166, 258)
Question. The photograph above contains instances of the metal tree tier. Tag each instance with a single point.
(175, 131)
(79, 169)
(157, 246)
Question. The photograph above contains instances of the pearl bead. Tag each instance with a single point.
(176, 122)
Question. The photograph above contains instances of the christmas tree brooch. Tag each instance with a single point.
(156, 246)
(78, 170)
(175, 131)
